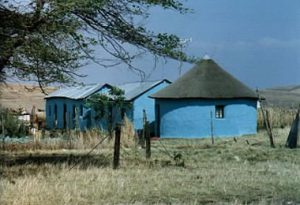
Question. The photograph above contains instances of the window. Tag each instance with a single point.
(49, 108)
(220, 111)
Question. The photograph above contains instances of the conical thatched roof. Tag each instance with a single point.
(206, 80)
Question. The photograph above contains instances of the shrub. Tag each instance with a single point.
(13, 127)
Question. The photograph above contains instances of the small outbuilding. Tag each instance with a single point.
(205, 101)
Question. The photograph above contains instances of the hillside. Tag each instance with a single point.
(287, 97)
(15, 96)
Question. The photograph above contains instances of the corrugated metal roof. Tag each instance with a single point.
(134, 90)
(77, 92)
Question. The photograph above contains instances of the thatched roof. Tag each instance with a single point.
(206, 80)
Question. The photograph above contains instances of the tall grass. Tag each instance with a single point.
(128, 133)
(280, 117)
(73, 139)
(59, 139)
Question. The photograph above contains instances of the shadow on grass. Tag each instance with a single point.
(81, 161)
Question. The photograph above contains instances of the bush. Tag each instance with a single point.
(13, 127)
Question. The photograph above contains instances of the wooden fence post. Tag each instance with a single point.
(267, 124)
(3, 133)
(268, 121)
(143, 137)
(266, 118)
(116, 158)
(147, 138)
(212, 128)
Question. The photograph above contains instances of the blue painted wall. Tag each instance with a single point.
(69, 112)
(191, 118)
(86, 117)
(144, 102)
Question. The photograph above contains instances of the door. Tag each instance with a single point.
(157, 120)
(65, 117)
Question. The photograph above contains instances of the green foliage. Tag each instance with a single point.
(48, 41)
(102, 103)
(99, 103)
(13, 127)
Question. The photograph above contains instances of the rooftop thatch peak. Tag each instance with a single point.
(206, 57)
(206, 80)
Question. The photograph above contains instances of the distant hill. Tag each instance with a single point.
(15, 96)
(291, 89)
(285, 96)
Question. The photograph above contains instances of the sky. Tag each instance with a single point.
(257, 41)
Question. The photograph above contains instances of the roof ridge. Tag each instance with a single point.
(151, 81)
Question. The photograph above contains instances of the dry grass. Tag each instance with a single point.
(59, 139)
(244, 172)
(128, 134)
(62, 139)
(280, 118)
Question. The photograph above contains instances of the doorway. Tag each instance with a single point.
(65, 116)
(157, 120)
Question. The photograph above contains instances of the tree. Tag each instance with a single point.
(49, 40)
(108, 106)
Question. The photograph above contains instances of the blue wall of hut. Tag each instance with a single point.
(143, 102)
(191, 118)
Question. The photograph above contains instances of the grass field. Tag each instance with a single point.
(245, 171)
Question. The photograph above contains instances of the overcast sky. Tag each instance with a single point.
(257, 41)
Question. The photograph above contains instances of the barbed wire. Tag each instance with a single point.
(87, 154)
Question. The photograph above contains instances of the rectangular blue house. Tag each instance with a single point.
(62, 104)
(206, 101)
